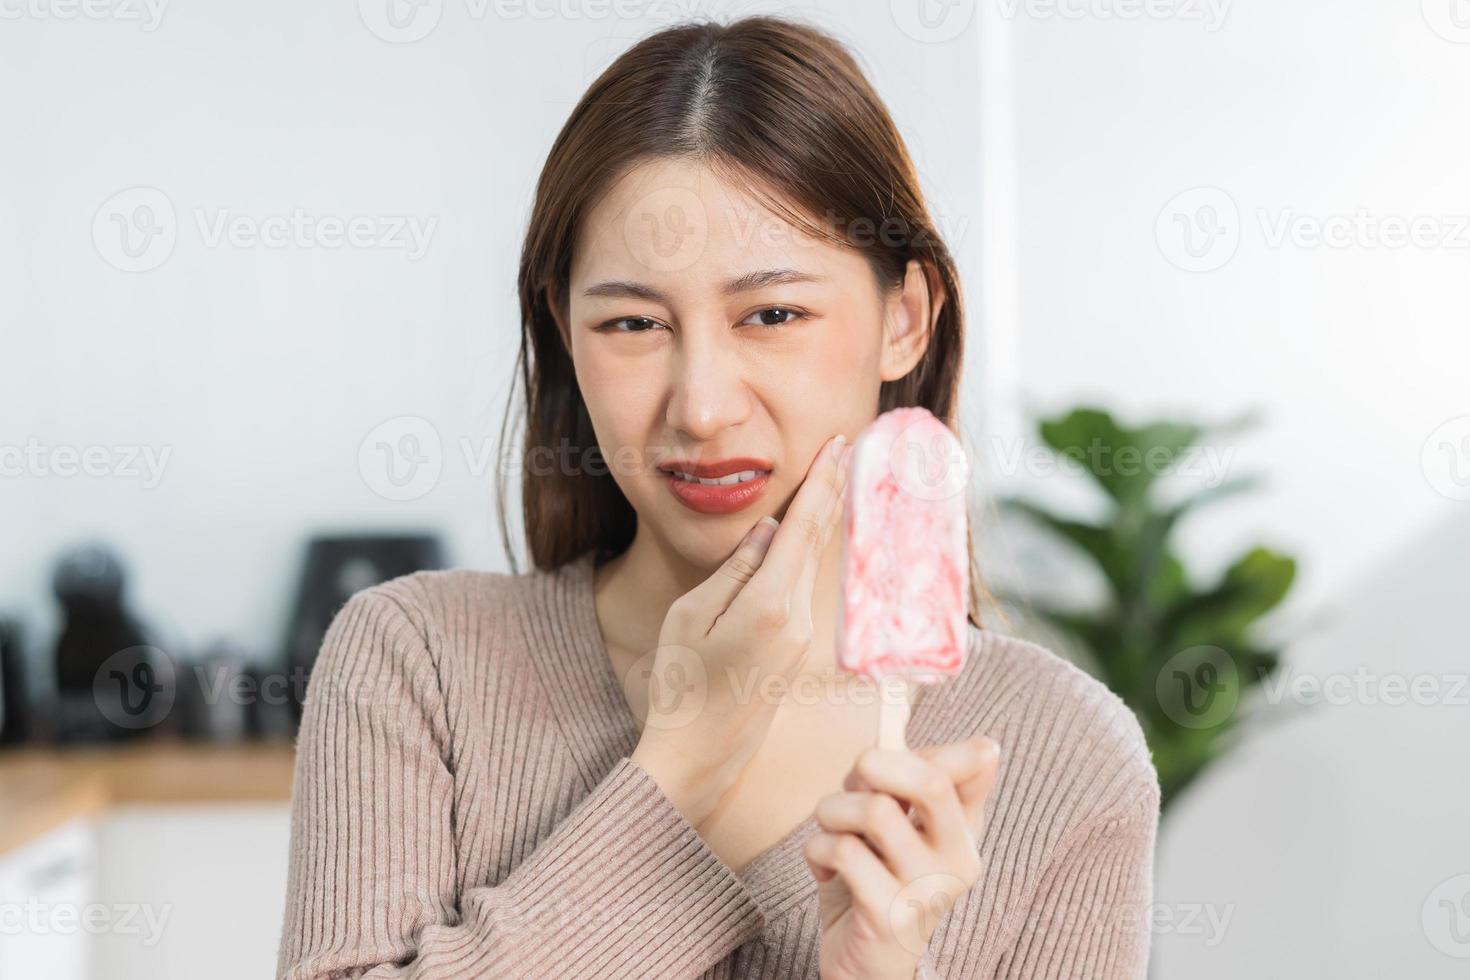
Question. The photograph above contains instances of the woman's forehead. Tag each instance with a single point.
(680, 222)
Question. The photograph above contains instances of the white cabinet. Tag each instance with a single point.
(49, 915)
(209, 881)
(148, 893)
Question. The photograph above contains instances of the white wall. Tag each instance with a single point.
(1332, 842)
(262, 371)
(1355, 355)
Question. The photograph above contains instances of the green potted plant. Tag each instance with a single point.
(1180, 653)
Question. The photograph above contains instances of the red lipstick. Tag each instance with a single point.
(722, 498)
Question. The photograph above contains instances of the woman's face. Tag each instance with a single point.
(706, 329)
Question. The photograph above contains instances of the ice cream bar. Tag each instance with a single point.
(904, 566)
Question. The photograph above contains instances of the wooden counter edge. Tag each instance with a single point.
(44, 788)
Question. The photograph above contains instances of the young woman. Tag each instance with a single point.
(638, 759)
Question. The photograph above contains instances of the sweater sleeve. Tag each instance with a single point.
(1089, 917)
(624, 886)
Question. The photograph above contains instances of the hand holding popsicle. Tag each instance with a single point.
(902, 834)
(884, 878)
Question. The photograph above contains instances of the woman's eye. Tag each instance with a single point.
(776, 316)
(635, 324)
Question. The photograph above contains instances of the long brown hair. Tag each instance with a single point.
(780, 108)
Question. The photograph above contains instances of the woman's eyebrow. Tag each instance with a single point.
(740, 284)
(768, 277)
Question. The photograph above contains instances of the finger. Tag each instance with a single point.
(882, 822)
(927, 787)
(713, 596)
(804, 594)
(873, 888)
(974, 766)
(803, 528)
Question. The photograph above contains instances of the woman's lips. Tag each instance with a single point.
(722, 499)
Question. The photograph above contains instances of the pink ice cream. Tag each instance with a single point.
(904, 575)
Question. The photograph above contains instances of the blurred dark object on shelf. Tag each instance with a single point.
(15, 715)
(335, 568)
(218, 695)
(110, 683)
(272, 715)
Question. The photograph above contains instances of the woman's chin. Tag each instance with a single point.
(707, 547)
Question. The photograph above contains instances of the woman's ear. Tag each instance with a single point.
(909, 317)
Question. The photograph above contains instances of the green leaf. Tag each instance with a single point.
(1251, 587)
(1124, 462)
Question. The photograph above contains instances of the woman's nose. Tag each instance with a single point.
(708, 390)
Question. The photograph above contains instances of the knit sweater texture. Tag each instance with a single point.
(465, 805)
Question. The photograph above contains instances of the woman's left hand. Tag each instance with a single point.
(885, 876)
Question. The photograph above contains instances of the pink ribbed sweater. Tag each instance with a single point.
(465, 806)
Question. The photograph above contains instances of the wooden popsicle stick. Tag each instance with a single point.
(893, 712)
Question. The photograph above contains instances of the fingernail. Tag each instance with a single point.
(763, 532)
(837, 444)
(750, 534)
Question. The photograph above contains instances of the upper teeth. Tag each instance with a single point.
(741, 477)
